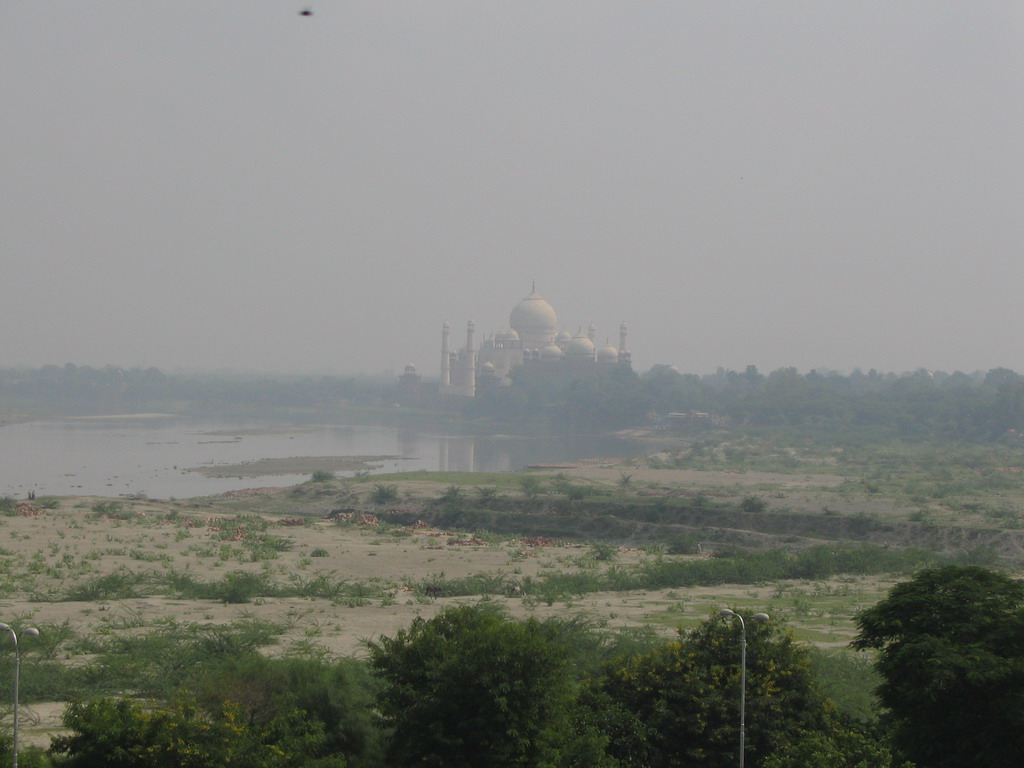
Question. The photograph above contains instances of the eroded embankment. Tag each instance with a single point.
(638, 524)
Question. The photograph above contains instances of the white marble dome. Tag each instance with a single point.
(551, 352)
(533, 315)
(580, 345)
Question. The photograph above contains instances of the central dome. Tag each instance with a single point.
(533, 315)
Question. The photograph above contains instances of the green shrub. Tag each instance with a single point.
(576, 492)
(321, 585)
(486, 493)
(122, 584)
(452, 497)
(923, 516)
(242, 528)
(603, 552)
(322, 476)
(384, 494)
(753, 504)
(531, 485)
(114, 510)
(243, 586)
(277, 543)
(682, 544)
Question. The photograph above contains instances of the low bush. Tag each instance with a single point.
(119, 585)
(384, 494)
(115, 510)
(753, 504)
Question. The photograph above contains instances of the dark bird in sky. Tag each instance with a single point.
(306, 12)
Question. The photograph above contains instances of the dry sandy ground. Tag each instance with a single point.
(50, 552)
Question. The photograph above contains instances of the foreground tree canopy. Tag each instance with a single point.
(122, 733)
(474, 687)
(951, 653)
(677, 705)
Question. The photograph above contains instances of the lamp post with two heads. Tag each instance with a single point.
(743, 671)
(31, 632)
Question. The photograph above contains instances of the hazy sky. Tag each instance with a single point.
(214, 184)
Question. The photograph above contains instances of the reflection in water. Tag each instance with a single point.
(456, 454)
(111, 457)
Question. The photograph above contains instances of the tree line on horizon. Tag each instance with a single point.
(922, 404)
(978, 406)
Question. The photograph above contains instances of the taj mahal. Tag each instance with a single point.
(532, 339)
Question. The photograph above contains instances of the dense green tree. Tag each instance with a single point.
(678, 704)
(337, 695)
(472, 687)
(123, 733)
(838, 747)
(950, 645)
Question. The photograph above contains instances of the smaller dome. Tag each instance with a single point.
(410, 368)
(580, 346)
(563, 336)
(506, 334)
(551, 352)
(608, 354)
(488, 366)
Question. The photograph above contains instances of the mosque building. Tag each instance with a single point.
(532, 339)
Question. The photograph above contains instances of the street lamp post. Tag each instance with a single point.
(743, 672)
(31, 632)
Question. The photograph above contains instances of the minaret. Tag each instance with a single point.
(591, 332)
(446, 361)
(470, 364)
(622, 338)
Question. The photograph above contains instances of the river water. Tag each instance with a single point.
(153, 455)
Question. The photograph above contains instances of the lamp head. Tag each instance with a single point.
(726, 612)
(5, 627)
(31, 632)
(760, 616)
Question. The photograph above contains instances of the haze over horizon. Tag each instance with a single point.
(225, 184)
